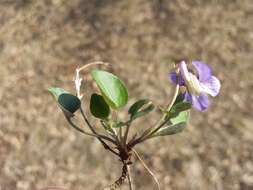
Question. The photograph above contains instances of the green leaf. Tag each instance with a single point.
(175, 125)
(56, 92)
(98, 106)
(179, 107)
(137, 105)
(182, 117)
(143, 112)
(112, 88)
(67, 102)
(180, 98)
(140, 108)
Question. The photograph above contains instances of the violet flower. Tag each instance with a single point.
(198, 86)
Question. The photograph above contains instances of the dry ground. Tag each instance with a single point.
(43, 41)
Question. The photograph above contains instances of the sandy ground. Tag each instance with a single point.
(43, 41)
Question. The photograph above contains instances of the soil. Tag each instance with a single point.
(43, 41)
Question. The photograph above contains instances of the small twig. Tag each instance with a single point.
(146, 167)
(129, 177)
(111, 133)
(79, 129)
(90, 134)
(99, 137)
(93, 63)
(87, 121)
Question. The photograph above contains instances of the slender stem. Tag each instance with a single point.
(120, 135)
(129, 178)
(154, 131)
(146, 167)
(161, 122)
(164, 120)
(93, 63)
(99, 137)
(128, 124)
(173, 99)
(116, 138)
(92, 129)
(90, 134)
(87, 121)
(79, 129)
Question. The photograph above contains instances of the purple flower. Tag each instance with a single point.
(198, 86)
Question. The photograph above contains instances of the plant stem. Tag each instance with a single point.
(129, 178)
(162, 121)
(147, 168)
(93, 63)
(128, 124)
(120, 136)
(95, 134)
(79, 129)
(87, 121)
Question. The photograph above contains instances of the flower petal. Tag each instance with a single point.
(204, 71)
(200, 102)
(211, 86)
(187, 97)
(173, 78)
(184, 71)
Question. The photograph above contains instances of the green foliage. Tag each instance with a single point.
(98, 106)
(140, 108)
(67, 102)
(177, 108)
(136, 106)
(174, 125)
(56, 92)
(112, 88)
(177, 117)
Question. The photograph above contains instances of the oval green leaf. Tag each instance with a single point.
(56, 92)
(175, 125)
(67, 102)
(112, 88)
(98, 106)
(144, 111)
(137, 105)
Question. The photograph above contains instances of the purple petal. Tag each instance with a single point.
(211, 86)
(187, 97)
(200, 102)
(204, 71)
(173, 78)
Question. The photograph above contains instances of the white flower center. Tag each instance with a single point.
(193, 85)
(192, 82)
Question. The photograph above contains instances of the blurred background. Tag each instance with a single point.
(43, 41)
